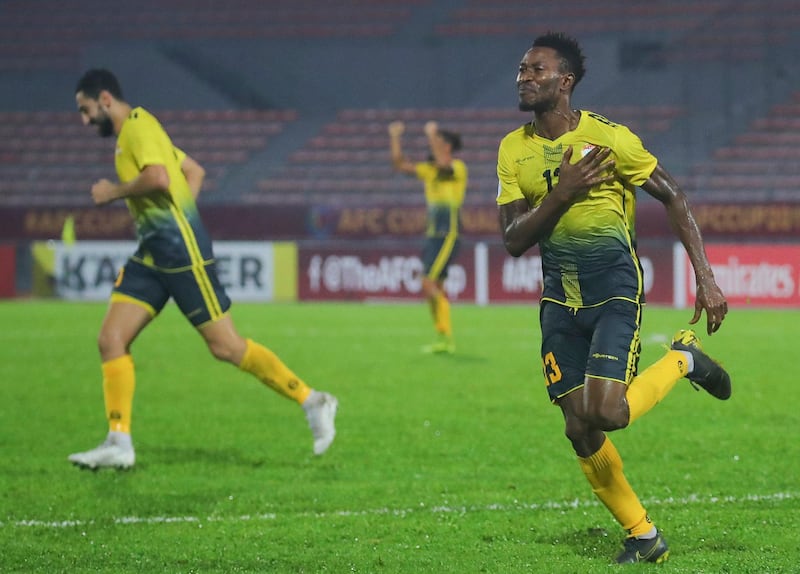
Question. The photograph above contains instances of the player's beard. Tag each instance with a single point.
(543, 100)
(105, 127)
(538, 107)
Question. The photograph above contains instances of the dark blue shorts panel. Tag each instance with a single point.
(437, 255)
(197, 292)
(601, 341)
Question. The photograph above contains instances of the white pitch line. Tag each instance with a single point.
(402, 512)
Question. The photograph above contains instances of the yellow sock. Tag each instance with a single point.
(119, 381)
(649, 387)
(604, 471)
(270, 370)
(433, 304)
(443, 315)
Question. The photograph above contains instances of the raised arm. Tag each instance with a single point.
(665, 189)
(437, 145)
(399, 162)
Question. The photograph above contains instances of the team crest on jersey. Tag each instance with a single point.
(586, 149)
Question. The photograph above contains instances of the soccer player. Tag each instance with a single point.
(174, 259)
(567, 182)
(445, 179)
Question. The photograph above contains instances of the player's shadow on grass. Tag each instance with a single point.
(588, 542)
(457, 357)
(171, 455)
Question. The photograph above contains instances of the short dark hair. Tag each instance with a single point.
(95, 81)
(568, 49)
(452, 138)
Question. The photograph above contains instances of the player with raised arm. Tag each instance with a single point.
(445, 181)
(566, 183)
(174, 259)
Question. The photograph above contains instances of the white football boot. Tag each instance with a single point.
(320, 411)
(115, 452)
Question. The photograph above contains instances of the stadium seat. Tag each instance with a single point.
(705, 30)
(36, 168)
(69, 31)
(349, 156)
(763, 161)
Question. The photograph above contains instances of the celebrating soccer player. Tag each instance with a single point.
(566, 183)
(445, 179)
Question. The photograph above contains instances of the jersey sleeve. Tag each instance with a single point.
(460, 171)
(180, 155)
(633, 162)
(149, 145)
(425, 171)
(508, 189)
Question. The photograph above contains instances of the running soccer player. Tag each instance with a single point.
(445, 179)
(566, 183)
(174, 259)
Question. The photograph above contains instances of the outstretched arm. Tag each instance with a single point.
(664, 188)
(399, 162)
(437, 146)
(523, 227)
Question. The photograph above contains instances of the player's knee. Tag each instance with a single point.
(607, 418)
(429, 288)
(576, 430)
(221, 350)
(110, 343)
(229, 349)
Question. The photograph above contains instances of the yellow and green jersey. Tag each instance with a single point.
(171, 234)
(590, 256)
(444, 194)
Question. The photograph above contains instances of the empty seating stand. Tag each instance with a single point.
(578, 18)
(69, 29)
(761, 163)
(50, 158)
(704, 30)
(349, 158)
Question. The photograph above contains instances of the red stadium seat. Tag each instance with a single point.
(36, 167)
(350, 155)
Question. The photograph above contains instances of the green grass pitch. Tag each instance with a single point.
(441, 463)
